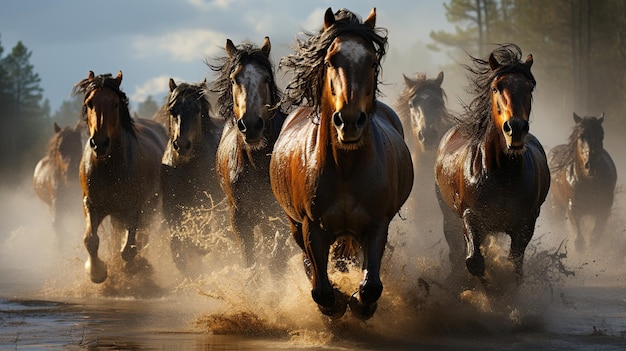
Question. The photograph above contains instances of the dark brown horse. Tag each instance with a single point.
(248, 101)
(491, 173)
(55, 178)
(188, 179)
(119, 172)
(422, 109)
(583, 178)
(340, 167)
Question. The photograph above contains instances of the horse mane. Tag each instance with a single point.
(568, 154)
(477, 117)
(194, 91)
(307, 63)
(401, 105)
(222, 86)
(86, 86)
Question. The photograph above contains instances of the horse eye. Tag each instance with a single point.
(327, 64)
(411, 104)
(495, 90)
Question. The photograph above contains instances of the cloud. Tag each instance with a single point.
(182, 46)
(208, 5)
(156, 86)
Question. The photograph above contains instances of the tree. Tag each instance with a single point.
(147, 108)
(70, 111)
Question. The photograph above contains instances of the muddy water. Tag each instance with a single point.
(569, 300)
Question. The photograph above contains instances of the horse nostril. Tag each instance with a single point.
(92, 143)
(337, 120)
(507, 128)
(587, 165)
(259, 124)
(525, 127)
(175, 145)
(362, 119)
(241, 125)
(420, 136)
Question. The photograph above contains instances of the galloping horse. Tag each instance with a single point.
(491, 173)
(119, 171)
(340, 167)
(584, 177)
(188, 166)
(248, 100)
(55, 178)
(421, 107)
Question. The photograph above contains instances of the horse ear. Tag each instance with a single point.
(90, 76)
(577, 118)
(601, 118)
(529, 60)
(266, 46)
(231, 49)
(329, 18)
(118, 78)
(203, 83)
(439, 78)
(493, 63)
(408, 81)
(370, 21)
(56, 128)
(172, 85)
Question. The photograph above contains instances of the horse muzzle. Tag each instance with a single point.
(100, 148)
(349, 127)
(515, 131)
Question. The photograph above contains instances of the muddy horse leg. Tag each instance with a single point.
(452, 229)
(474, 261)
(330, 301)
(371, 286)
(94, 266)
(243, 228)
(519, 241)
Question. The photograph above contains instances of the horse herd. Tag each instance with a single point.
(326, 153)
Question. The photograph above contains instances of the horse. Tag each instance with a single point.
(188, 179)
(583, 177)
(492, 175)
(248, 99)
(340, 167)
(55, 178)
(422, 109)
(119, 170)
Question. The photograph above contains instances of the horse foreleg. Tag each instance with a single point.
(519, 242)
(474, 261)
(330, 301)
(371, 286)
(94, 266)
(243, 227)
(129, 248)
(452, 229)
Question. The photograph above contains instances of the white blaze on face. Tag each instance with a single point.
(250, 79)
(352, 50)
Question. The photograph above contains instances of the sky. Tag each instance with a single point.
(153, 40)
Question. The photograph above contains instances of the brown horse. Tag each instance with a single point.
(422, 109)
(188, 179)
(584, 177)
(55, 178)
(248, 101)
(119, 171)
(491, 173)
(340, 167)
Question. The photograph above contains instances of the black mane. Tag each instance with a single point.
(86, 86)
(307, 63)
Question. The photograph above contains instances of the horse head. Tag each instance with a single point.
(589, 142)
(187, 108)
(102, 103)
(251, 83)
(426, 110)
(65, 149)
(511, 99)
(351, 69)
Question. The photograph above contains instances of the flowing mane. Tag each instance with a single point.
(477, 121)
(307, 63)
(86, 86)
(246, 53)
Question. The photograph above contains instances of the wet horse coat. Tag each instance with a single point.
(340, 167)
(584, 178)
(491, 173)
(119, 171)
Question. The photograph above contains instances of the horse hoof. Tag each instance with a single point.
(475, 265)
(129, 252)
(360, 310)
(339, 307)
(370, 292)
(96, 269)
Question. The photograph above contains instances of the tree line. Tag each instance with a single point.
(579, 46)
